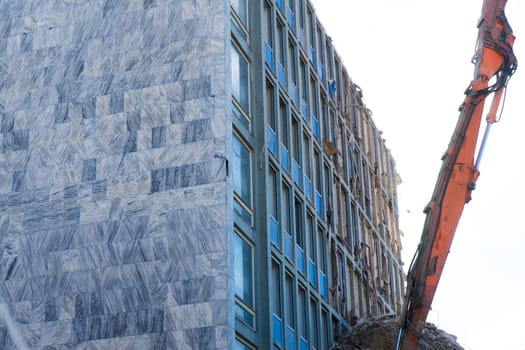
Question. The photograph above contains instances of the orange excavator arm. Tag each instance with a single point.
(495, 63)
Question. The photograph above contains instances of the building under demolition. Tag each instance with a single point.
(187, 174)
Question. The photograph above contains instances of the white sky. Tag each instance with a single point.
(412, 60)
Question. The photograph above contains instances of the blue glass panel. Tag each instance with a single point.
(268, 55)
(332, 86)
(277, 330)
(299, 259)
(244, 315)
(318, 204)
(292, 90)
(315, 127)
(290, 18)
(311, 54)
(308, 188)
(242, 212)
(300, 36)
(304, 109)
(312, 272)
(272, 141)
(240, 116)
(290, 338)
(281, 75)
(284, 158)
(320, 71)
(303, 344)
(322, 285)
(273, 226)
(296, 173)
(288, 246)
(279, 4)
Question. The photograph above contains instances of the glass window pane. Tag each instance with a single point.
(241, 9)
(301, 313)
(313, 323)
(306, 154)
(286, 209)
(295, 141)
(270, 110)
(276, 289)
(244, 315)
(283, 120)
(299, 234)
(279, 47)
(243, 270)
(239, 79)
(289, 301)
(267, 23)
(241, 171)
(240, 345)
(310, 234)
(292, 62)
(272, 189)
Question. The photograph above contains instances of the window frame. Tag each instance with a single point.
(240, 300)
(238, 197)
(241, 111)
(238, 17)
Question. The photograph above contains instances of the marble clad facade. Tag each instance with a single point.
(112, 173)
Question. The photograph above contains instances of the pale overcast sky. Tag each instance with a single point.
(412, 60)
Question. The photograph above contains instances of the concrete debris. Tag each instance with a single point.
(380, 333)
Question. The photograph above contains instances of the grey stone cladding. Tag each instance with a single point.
(113, 184)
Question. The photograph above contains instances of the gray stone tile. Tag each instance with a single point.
(197, 88)
(158, 136)
(188, 317)
(89, 169)
(16, 140)
(199, 338)
(197, 130)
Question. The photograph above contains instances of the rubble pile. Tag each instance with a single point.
(380, 333)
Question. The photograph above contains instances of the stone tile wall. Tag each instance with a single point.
(112, 173)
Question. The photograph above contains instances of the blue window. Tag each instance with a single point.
(292, 90)
(296, 173)
(303, 344)
(279, 4)
(275, 290)
(284, 158)
(240, 85)
(241, 10)
(288, 246)
(241, 178)
(318, 204)
(312, 272)
(277, 324)
(272, 141)
(239, 345)
(299, 259)
(311, 54)
(290, 18)
(273, 225)
(290, 338)
(322, 285)
(304, 109)
(274, 231)
(268, 55)
(308, 188)
(268, 35)
(243, 278)
(281, 75)
(315, 127)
